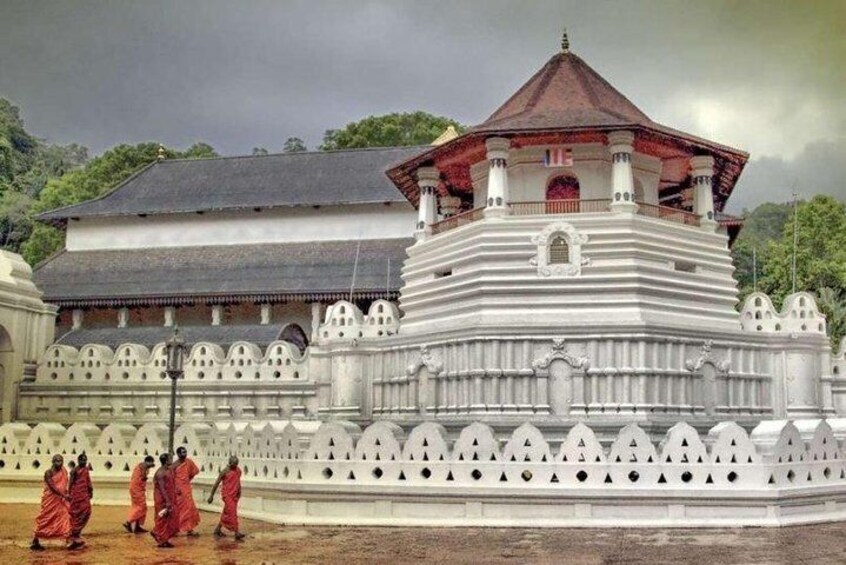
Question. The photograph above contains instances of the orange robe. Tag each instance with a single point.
(166, 526)
(53, 520)
(230, 492)
(138, 495)
(189, 516)
(80, 500)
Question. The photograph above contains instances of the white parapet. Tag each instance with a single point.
(785, 472)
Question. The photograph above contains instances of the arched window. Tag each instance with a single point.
(559, 250)
(562, 195)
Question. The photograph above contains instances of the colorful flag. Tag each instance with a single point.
(558, 157)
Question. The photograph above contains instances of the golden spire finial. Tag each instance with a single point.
(565, 42)
(161, 155)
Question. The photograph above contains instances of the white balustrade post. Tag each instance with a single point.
(315, 321)
(498, 195)
(169, 316)
(217, 314)
(702, 172)
(428, 179)
(77, 317)
(123, 317)
(620, 145)
(265, 314)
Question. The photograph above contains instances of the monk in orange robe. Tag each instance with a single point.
(164, 496)
(184, 472)
(230, 494)
(80, 492)
(138, 496)
(53, 520)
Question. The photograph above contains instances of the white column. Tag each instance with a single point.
(169, 316)
(428, 179)
(701, 172)
(217, 314)
(123, 317)
(265, 314)
(622, 182)
(315, 321)
(498, 196)
(77, 316)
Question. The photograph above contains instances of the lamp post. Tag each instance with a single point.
(175, 359)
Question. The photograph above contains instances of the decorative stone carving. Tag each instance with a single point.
(559, 351)
(575, 240)
(427, 359)
(706, 356)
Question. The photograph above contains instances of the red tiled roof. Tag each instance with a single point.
(565, 93)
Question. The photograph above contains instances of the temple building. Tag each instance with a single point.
(565, 260)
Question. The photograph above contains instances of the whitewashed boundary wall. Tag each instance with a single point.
(362, 368)
(783, 472)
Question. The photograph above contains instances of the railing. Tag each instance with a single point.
(667, 213)
(458, 220)
(544, 207)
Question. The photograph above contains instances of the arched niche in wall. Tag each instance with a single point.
(562, 194)
(559, 251)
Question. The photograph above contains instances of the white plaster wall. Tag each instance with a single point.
(330, 223)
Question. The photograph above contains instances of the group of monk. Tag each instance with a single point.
(66, 500)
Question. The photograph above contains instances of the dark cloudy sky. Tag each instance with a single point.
(767, 77)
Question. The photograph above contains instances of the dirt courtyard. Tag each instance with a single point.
(109, 544)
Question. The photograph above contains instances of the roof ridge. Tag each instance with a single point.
(584, 67)
(520, 90)
(290, 154)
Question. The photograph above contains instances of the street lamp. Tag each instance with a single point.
(175, 359)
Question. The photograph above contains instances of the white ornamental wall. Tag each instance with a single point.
(275, 225)
(783, 472)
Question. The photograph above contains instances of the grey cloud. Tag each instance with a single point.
(253, 72)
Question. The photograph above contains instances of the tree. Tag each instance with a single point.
(763, 225)
(99, 175)
(294, 145)
(390, 130)
(820, 258)
(259, 151)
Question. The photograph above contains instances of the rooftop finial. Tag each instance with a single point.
(565, 42)
(161, 155)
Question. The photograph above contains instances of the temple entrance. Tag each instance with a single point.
(562, 195)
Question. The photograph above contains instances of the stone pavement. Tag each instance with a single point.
(267, 543)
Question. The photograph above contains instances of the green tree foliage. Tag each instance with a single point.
(820, 259)
(99, 176)
(390, 130)
(294, 145)
(764, 224)
(26, 166)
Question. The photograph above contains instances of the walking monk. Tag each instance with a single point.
(230, 494)
(53, 520)
(164, 495)
(80, 491)
(138, 496)
(184, 472)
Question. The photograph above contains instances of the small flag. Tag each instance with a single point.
(559, 157)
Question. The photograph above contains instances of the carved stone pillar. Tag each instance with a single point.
(498, 195)
(77, 317)
(265, 314)
(702, 173)
(123, 317)
(315, 321)
(622, 179)
(217, 314)
(428, 179)
(169, 316)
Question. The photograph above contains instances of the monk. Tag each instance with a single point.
(138, 496)
(53, 520)
(164, 496)
(80, 491)
(230, 494)
(184, 472)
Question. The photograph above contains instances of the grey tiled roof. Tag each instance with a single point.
(153, 335)
(262, 181)
(281, 271)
